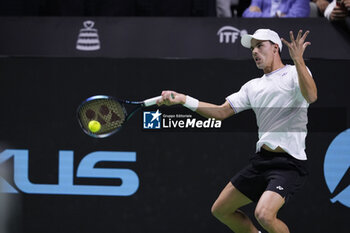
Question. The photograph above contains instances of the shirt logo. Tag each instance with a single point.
(152, 120)
(279, 187)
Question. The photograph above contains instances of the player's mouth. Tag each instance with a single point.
(257, 59)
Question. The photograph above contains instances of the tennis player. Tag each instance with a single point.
(280, 99)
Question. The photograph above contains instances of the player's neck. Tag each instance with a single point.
(274, 66)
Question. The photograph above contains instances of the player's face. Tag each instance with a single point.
(262, 52)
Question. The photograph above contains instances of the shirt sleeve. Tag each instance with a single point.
(239, 101)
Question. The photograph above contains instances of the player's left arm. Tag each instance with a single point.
(296, 50)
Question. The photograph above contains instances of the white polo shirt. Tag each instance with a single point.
(280, 109)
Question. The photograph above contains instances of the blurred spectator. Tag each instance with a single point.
(231, 8)
(336, 11)
(278, 8)
(223, 7)
(317, 7)
(321, 5)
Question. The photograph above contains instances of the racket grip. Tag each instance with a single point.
(151, 101)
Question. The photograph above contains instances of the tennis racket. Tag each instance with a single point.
(109, 112)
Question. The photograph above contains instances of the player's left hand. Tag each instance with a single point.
(297, 46)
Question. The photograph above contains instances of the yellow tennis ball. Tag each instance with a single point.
(94, 126)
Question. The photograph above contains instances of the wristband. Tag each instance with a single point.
(191, 103)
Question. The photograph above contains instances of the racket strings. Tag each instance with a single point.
(109, 113)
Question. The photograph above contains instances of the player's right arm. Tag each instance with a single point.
(219, 112)
(208, 110)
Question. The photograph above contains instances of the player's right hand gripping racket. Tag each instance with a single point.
(109, 112)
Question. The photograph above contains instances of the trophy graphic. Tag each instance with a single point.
(88, 39)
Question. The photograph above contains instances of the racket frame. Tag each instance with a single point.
(138, 104)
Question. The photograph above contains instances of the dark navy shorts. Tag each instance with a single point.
(277, 172)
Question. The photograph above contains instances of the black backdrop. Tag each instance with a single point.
(107, 8)
(180, 174)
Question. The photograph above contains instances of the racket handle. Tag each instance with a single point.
(151, 101)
